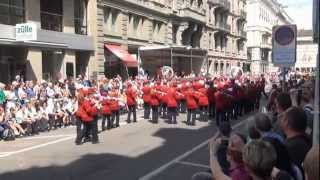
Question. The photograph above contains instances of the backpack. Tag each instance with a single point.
(8, 135)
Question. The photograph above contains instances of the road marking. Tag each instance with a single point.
(48, 136)
(36, 147)
(67, 137)
(182, 156)
(193, 164)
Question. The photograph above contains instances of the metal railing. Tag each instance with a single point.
(223, 26)
(11, 15)
(51, 21)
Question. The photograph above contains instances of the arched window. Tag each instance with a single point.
(200, 3)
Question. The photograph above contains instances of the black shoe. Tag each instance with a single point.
(95, 142)
(78, 143)
(128, 122)
(87, 139)
(134, 121)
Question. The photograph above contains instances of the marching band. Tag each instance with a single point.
(220, 98)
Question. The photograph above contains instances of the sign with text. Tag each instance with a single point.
(284, 43)
(26, 32)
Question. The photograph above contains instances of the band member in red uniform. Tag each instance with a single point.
(154, 102)
(114, 106)
(163, 103)
(191, 107)
(87, 112)
(106, 114)
(203, 103)
(146, 99)
(172, 104)
(80, 114)
(183, 101)
(131, 102)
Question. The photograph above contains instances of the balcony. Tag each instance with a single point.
(221, 3)
(242, 34)
(243, 14)
(51, 21)
(223, 27)
(266, 45)
(193, 13)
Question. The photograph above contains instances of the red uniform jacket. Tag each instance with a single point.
(146, 94)
(164, 99)
(191, 101)
(180, 96)
(114, 104)
(105, 107)
(184, 90)
(131, 96)
(202, 97)
(154, 99)
(171, 98)
(86, 111)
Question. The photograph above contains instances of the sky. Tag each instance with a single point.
(300, 11)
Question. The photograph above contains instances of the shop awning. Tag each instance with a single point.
(122, 54)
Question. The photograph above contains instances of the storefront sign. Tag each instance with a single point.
(26, 32)
(284, 43)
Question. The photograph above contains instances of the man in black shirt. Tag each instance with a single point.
(294, 124)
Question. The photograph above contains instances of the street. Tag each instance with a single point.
(134, 151)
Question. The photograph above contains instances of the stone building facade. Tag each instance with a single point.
(216, 26)
(64, 40)
(307, 51)
(262, 16)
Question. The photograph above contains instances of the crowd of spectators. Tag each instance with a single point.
(28, 108)
(277, 143)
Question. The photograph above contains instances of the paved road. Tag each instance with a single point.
(135, 151)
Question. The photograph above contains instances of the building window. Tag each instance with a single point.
(136, 20)
(210, 41)
(210, 10)
(111, 18)
(200, 3)
(216, 41)
(157, 29)
(114, 20)
(80, 16)
(174, 33)
(12, 12)
(107, 20)
(51, 15)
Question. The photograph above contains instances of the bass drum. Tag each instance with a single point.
(167, 72)
(236, 72)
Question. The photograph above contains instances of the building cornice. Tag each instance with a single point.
(136, 8)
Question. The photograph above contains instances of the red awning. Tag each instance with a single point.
(124, 55)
